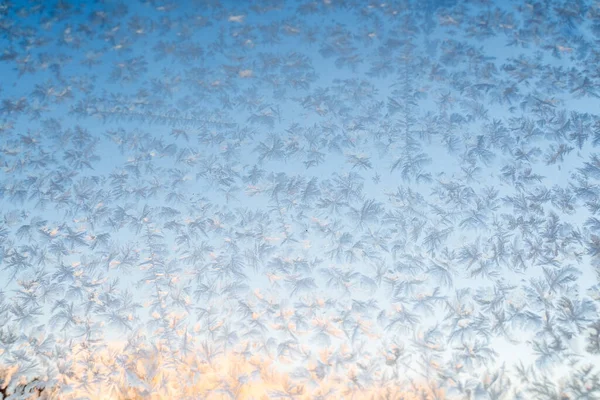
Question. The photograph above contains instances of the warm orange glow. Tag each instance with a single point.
(156, 374)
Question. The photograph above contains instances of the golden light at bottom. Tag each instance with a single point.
(155, 373)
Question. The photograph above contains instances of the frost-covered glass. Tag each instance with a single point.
(298, 199)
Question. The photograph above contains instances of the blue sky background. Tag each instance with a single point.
(178, 102)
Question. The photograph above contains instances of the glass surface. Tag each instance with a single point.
(331, 199)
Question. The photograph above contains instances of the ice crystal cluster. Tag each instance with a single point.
(297, 199)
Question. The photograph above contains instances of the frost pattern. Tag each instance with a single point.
(328, 199)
